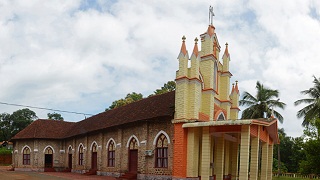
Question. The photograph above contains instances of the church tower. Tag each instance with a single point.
(202, 95)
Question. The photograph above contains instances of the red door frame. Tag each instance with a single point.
(94, 160)
(133, 160)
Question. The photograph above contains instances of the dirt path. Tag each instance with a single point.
(19, 175)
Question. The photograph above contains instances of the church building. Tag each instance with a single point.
(191, 133)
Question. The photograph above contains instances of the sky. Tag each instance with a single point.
(81, 55)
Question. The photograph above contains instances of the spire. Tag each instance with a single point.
(232, 88)
(183, 46)
(236, 87)
(195, 49)
(226, 52)
(210, 30)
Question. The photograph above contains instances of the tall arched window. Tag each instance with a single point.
(94, 147)
(162, 152)
(26, 156)
(81, 155)
(111, 154)
(215, 77)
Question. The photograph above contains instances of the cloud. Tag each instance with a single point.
(82, 55)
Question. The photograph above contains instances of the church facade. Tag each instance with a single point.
(191, 133)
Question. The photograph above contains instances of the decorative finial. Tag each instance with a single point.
(227, 44)
(183, 38)
(236, 81)
(196, 40)
(211, 14)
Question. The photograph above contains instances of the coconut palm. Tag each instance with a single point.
(261, 105)
(312, 111)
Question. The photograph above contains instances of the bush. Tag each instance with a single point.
(4, 150)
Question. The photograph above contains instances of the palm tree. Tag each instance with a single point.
(312, 111)
(261, 105)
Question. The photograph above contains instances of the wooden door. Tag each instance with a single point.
(94, 160)
(48, 161)
(133, 160)
(70, 161)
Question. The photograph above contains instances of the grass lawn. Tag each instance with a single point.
(286, 178)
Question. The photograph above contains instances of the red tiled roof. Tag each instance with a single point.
(44, 128)
(145, 109)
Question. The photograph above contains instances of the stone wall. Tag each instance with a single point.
(145, 133)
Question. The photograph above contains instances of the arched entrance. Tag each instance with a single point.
(133, 155)
(48, 158)
(94, 157)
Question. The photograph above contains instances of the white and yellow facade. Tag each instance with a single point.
(210, 142)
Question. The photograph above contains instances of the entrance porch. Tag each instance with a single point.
(232, 149)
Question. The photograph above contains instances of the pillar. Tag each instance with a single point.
(193, 152)
(234, 160)
(254, 162)
(219, 158)
(205, 155)
(270, 161)
(227, 158)
(264, 161)
(244, 152)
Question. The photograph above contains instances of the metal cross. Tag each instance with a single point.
(211, 14)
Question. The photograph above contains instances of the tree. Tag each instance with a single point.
(22, 118)
(291, 150)
(11, 124)
(167, 87)
(311, 112)
(311, 148)
(131, 97)
(55, 116)
(261, 105)
(6, 127)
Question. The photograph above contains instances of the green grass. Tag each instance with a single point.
(286, 178)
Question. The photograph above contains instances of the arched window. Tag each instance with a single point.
(221, 117)
(81, 155)
(133, 144)
(111, 154)
(94, 147)
(48, 150)
(26, 156)
(162, 152)
(215, 77)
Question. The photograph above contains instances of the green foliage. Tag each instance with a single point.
(131, 97)
(311, 148)
(11, 124)
(55, 116)
(4, 150)
(261, 104)
(312, 111)
(167, 87)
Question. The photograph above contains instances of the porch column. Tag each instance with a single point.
(264, 161)
(227, 158)
(254, 162)
(270, 161)
(219, 158)
(234, 159)
(193, 152)
(205, 158)
(254, 158)
(244, 152)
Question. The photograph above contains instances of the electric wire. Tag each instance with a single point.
(50, 109)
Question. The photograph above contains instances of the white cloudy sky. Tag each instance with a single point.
(79, 55)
